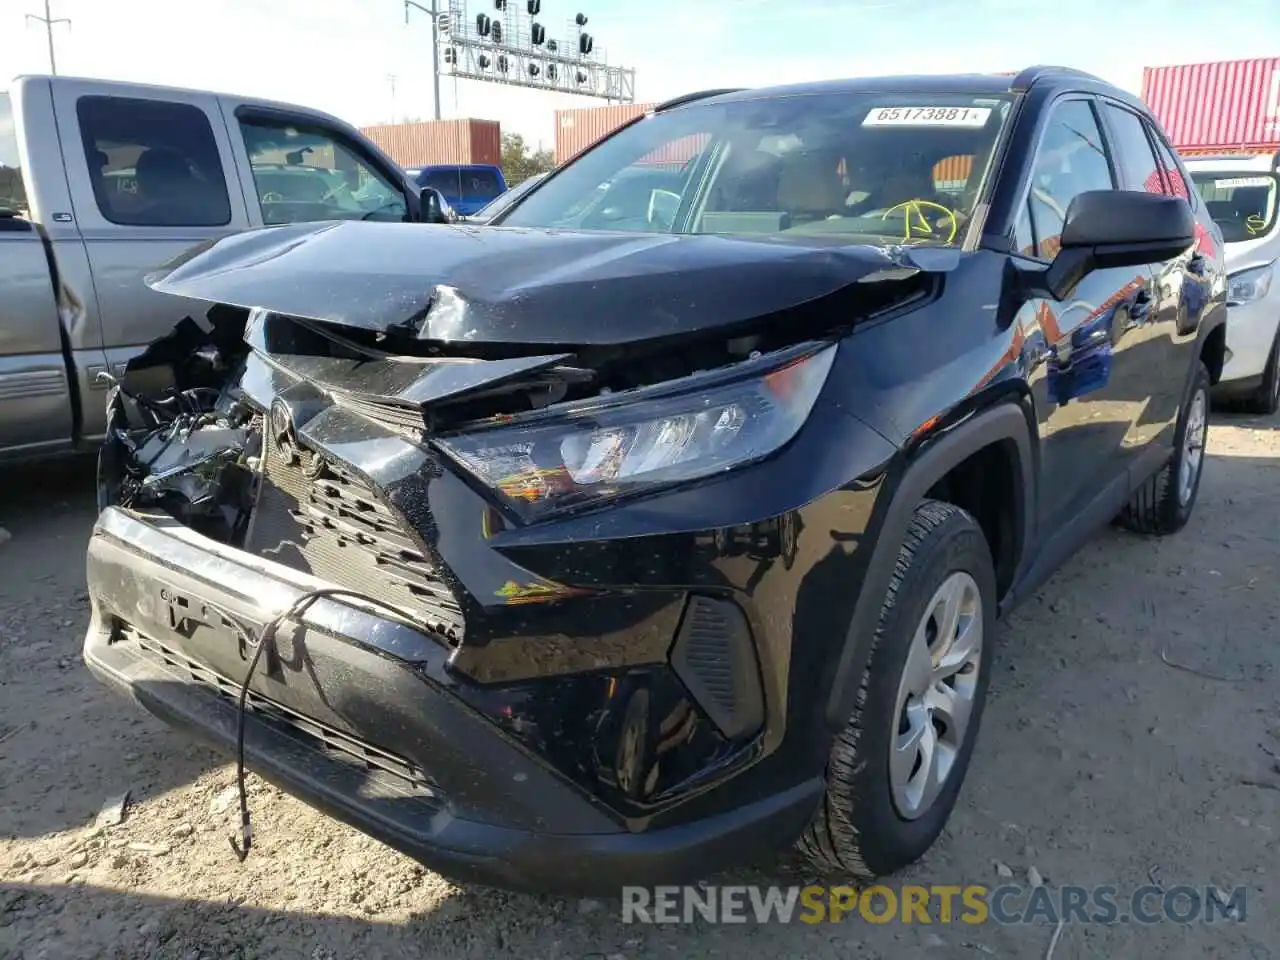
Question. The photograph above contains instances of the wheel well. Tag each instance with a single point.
(984, 485)
(1214, 352)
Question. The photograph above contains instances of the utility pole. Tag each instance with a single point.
(435, 46)
(391, 78)
(49, 21)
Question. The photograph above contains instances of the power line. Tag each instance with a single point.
(48, 20)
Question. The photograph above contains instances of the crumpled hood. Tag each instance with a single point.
(481, 284)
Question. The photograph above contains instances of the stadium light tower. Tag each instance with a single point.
(506, 41)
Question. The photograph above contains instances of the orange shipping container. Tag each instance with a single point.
(439, 141)
(580, 128)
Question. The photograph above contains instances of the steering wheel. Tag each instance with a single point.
(329, 195)
(916, 224)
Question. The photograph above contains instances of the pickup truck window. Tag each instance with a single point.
(153, 163)
(304, 173)
(13, 195)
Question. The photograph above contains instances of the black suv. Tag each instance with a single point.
(666, 520)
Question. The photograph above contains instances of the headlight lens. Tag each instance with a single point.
(1248, 285)
(654, 438)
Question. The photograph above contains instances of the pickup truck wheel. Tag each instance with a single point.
(895, 770)
(1163, 504)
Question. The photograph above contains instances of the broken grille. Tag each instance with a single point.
(319, 517)
(389, 775)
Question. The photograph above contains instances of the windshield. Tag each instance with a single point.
(861, 167)
(504, 200)
(462, 184)
(12, 194)
(1243, 204)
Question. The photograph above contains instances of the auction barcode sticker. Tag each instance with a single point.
(972, 117)
(1242, 182)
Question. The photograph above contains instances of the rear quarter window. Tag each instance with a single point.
(153, 163)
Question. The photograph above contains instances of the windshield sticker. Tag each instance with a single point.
(971, 117)
(1232, 182)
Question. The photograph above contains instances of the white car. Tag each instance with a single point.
(1242, 194)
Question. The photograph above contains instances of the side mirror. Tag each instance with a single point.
(435, 209)
(1118, 228)
(663, 207)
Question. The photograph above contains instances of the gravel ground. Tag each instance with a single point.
(1132, 732)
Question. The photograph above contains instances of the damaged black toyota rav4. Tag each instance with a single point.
(665, 521)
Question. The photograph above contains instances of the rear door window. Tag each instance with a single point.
(463, 184)
(13, 195)
(1177, 183)
(153, 163)
(1135, 157)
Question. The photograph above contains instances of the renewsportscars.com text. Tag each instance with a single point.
(937, 904)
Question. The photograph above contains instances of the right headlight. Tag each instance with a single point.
(603, 449)
(1249, 285)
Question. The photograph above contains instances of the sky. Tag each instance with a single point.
(338, 55)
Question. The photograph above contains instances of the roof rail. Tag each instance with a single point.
(1023, 81)
(1237, 155)
(680, 101)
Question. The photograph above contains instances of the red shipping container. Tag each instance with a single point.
(439, 141)
(1217, 106)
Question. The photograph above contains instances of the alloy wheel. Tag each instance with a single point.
(1193, 446)
(936, 695)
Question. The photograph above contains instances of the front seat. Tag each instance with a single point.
(168, 192)
(810, 188)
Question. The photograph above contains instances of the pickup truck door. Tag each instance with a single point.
(151, 174)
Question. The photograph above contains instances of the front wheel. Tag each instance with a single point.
(895, 770)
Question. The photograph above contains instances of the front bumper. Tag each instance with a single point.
(361, 717)
(1251, 331)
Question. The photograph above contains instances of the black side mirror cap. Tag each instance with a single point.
(1118, 228)
(434, 207)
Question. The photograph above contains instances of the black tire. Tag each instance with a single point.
(858, 831)
(1266, 399)
(1158, 508)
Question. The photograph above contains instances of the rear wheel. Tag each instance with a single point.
(895, 770)
(1163, 504)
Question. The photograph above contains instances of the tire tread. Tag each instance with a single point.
(831, 842)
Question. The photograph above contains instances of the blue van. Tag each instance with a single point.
(467, 187)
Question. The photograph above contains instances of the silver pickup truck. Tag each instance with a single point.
(102, 182)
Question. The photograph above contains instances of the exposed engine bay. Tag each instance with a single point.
(181, 437)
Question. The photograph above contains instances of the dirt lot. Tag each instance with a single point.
(1133, 733)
